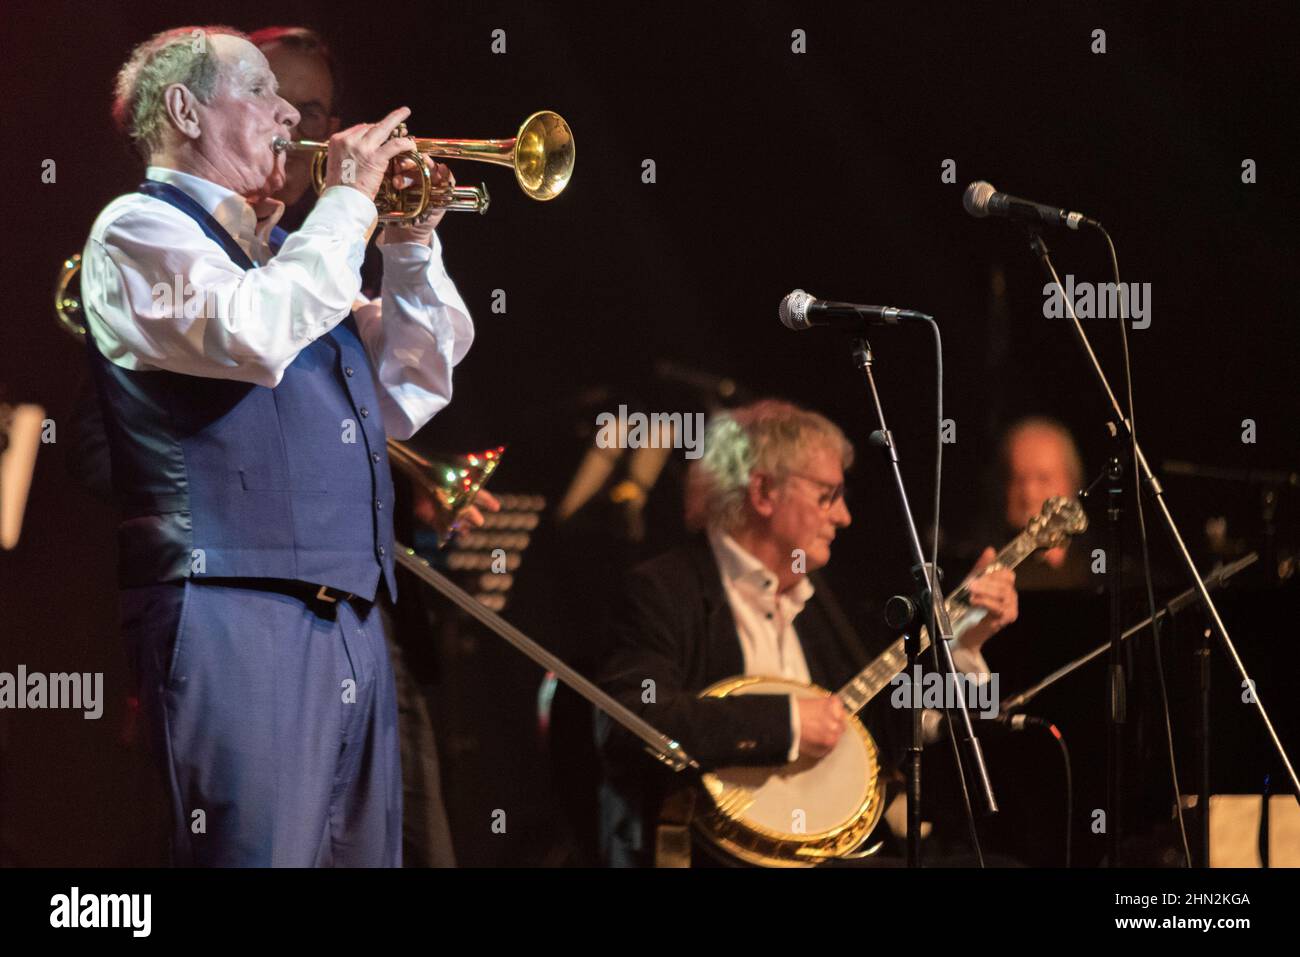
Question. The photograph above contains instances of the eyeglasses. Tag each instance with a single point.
(832, 495)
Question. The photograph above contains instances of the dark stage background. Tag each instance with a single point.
(774, 170)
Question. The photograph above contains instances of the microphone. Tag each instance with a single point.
(981, 200)
(1020, 722)
(707, 384)
(800, 311)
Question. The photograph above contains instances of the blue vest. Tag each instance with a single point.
(218, 478)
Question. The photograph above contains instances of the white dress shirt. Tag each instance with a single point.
(768, 641)
(764, 619)
(159, 294)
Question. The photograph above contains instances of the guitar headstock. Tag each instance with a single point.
(1059, 519)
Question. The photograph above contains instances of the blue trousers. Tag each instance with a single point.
(274, 721)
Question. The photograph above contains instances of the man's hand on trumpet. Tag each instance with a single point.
(420, 231)
(359, 156)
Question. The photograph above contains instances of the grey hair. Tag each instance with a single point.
(182, 55)
(768, 436)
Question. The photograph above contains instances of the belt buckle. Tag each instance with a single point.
(324, 595)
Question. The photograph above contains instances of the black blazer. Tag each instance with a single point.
(674, 628)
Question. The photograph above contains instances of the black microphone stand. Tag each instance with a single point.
(1215, 579)
(1116, 678)
(930, 599)
(1202, 658)
(1156, 491)
(1117, 703)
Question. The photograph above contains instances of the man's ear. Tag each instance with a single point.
(182, 110)
(760, 494)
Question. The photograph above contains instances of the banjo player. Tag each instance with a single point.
(767, 497)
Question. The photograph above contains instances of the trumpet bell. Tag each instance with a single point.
(452, 481)
(544, 155)
(459, 478)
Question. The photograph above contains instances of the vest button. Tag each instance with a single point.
(381, 551)
(379, 506)
(374, 457)
(364, 412)
(349, 371)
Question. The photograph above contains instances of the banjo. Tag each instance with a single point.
(814, 809)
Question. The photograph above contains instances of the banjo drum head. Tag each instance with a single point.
(808, 798)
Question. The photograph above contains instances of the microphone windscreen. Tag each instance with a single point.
(794, 310)
(976, 199)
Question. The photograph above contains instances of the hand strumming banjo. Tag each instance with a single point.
(811, 810)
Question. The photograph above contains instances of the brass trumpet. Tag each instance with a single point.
(451, 481)
(541, 154)
(67, 304)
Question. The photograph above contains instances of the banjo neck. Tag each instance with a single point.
(871, 680)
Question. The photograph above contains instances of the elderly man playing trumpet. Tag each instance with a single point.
(247, 421)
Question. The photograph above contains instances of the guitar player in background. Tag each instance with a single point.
(1063, 613)
(769, 487)
(1037, 459)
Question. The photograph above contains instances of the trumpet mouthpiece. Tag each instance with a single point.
(280, 144)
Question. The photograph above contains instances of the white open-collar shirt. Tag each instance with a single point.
(159, 294)
(765, 628)
(764, 619)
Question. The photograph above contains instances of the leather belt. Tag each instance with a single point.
(307, 592)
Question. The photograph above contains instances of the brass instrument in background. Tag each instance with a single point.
(451, 481)
(541, 154)
(67, 304)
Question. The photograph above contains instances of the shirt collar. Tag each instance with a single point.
(226, 206)
(739, 567)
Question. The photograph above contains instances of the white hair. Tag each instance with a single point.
(768, 436)
(183, 55)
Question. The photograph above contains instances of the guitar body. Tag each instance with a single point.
(796, 814)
